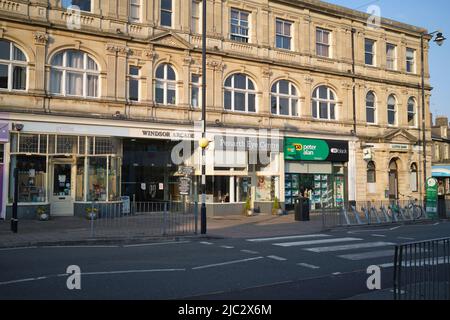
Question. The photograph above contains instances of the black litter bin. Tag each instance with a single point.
(302, 209)
(442, 210)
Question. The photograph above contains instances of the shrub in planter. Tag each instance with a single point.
(42, 214)
(248, 208)
(91, 213)
(276, 210)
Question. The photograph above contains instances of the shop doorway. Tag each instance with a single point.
(62, 188)
(393, 180)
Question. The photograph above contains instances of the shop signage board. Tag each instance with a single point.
(299, 149)
(4, 132)
(184, 186)
(432, 198)
(235, 143)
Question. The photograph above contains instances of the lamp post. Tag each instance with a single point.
(439, 39)
(204, 141)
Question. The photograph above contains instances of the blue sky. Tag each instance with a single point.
(432, 15)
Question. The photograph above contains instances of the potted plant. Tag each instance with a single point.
(276, 210)
(42, 214)
(91, 213)
(248, 208)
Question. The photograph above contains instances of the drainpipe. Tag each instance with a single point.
(354, 81)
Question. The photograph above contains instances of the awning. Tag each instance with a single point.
(441, 171)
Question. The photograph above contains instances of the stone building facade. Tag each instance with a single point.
(83, 90)
(441, 154)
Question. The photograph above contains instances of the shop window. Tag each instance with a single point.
(114, 178)
(13, 67)
(97, 179)
(243, 188)
(31, 178)
(371, 173)
(265, 188)
(414, 178)
(79, 192)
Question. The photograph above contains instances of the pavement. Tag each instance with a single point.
(76, 231)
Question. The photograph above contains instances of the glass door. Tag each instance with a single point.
(62, 189)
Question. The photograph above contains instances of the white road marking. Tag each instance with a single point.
(336, 273)
(314, 242)
(129, 271)
(226, 263)
(250, 251)
(368, 255)
(277, 258)
(206, 243)
(309, 266)
(350, 247)
(17, 248)
(290, 237)
(378, 235)
(395, 228)
(405, 238)
(88, 274)
(153, 244)
(418, 263)
(227, 247)
(437, 223)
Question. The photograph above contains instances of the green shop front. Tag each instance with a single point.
(316, 169)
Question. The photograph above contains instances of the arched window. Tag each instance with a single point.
(74, 73)
(413, 179)
(370, 108)
(13, 67)
(284, 99)
(392, 110)
(166, 85)
(371, 172)
(324, 103)
(412, 122)
(239, 94)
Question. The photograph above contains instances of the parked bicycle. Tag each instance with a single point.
(415, 210)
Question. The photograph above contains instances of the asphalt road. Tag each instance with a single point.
(330, 265)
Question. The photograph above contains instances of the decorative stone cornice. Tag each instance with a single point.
(40, 37)
(216, 65)
(117, 49)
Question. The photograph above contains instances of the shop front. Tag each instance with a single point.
(63, 173)
(442, 174)
(242, 171)
(316, 169)
(4, 139)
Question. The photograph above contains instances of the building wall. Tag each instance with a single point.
(40, 28)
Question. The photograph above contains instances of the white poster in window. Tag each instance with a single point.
(161, 186)
(32, 173)
(62, 178)
(143, 186)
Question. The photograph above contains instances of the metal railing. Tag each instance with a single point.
(143, 219)
(422, 270)
(374, 213)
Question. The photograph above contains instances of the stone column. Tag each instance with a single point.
(121, 73)
(264, 103)
(111, 62)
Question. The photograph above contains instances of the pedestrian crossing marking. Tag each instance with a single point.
(314, 242)
(277, 258)
(307, 265)
(289, 237)
(368, 255)
(350, 247)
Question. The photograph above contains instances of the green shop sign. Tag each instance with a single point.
(299, 149)
(432, 198)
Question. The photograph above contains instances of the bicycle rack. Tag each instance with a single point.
(356, 213)
(386, 216)
(375, 213)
